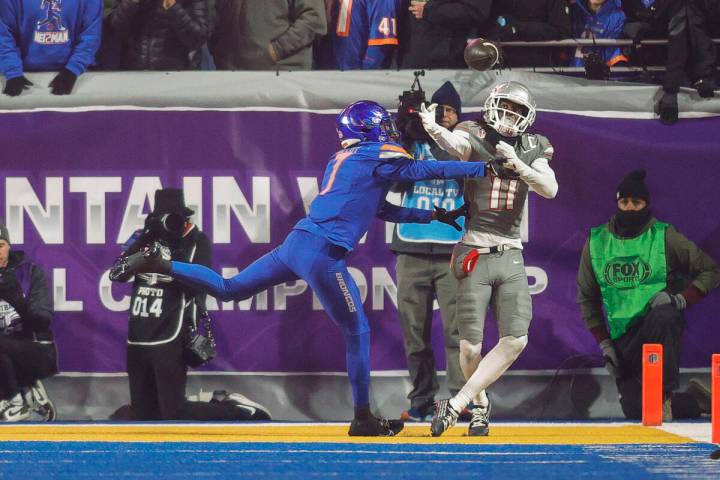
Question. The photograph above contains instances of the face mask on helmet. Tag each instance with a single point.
(509, 109)
(365, 121)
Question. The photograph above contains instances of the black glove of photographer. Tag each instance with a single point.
(63, 82)
(11, 292)
(450, 218)
(15, 86)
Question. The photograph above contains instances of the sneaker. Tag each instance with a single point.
(480, 422)
(254, 410)
(700, 393)
(416, 415)
(445, 417)
(41, 403)
(705, 87)
(375, 427)
(13, 412)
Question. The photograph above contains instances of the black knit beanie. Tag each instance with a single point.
(447, 95)
(633, 186)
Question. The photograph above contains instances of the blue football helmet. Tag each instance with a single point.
(365, 121)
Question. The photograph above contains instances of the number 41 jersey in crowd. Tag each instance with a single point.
(497, 205)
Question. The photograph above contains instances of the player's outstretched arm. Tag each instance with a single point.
(455, 143)
(394, 213)
(406, 170)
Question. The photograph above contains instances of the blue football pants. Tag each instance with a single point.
(322, 265)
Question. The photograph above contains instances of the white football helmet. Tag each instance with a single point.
(507, 122)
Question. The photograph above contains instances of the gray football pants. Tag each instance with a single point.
(498, 280)
(421, 279)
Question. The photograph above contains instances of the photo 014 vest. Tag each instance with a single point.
(629, 272)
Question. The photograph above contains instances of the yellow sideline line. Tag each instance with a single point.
(539, 435)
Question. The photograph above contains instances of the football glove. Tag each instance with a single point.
(450, 218)
(507, 152)
(15, 86)
(427, 116)
(63, 82)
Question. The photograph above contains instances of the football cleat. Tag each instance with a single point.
(13, 412)
(445, 417)
(375, 427)
(480, 422)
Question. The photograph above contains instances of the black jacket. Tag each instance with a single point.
(438, 39)
(159, 39)
(33, 305)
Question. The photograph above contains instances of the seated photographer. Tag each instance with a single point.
(163, 323)
(27, 349)
(423, 258)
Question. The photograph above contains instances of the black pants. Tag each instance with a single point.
(157, 376)
(663, 325)
(22, 362)
(691, 50)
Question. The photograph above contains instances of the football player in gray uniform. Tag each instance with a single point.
(488, 260)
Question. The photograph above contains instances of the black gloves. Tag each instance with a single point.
(450, 218)
(497, 167)
(15, 86)
(11, 292)
(63, 82)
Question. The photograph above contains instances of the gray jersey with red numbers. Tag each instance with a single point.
(497, 204)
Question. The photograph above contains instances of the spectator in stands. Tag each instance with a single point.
(596, 19)
(423, 265)
(643, 273)
(266, 34)
(27, 348)
(362, 34)
(691, 52)
(55, 35)
(529, 21)
(160, 35)
(435, 32)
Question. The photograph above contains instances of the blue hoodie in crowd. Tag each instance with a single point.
(48, 35)
(608, 22)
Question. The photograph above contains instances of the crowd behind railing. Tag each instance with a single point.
(72, 36)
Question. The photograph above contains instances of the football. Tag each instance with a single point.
(481, 54)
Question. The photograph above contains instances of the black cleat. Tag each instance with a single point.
(480, 422)
(375, 427)
(444, 418)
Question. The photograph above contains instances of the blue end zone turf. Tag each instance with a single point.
(74, 460)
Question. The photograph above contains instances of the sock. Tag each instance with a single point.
(481, 400)
(17, 400)
(461, 400)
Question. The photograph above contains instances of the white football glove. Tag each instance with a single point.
(427, 116)
(507, 152)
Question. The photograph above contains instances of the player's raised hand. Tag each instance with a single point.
(507, 152)
(450, 218)
(427, 115)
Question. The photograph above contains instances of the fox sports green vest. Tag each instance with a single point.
(629, 272)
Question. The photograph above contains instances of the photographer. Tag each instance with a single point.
(162, 313)
(27, 349)
(423, 256)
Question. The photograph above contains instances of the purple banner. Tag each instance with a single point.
(76, 184)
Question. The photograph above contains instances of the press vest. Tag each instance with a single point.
(629, 272)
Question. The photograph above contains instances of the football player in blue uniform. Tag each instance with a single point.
(353, 191)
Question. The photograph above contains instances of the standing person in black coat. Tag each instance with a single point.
(435, 32)
(528, 21)
(27, 348)
(161, 314)
(160, 34)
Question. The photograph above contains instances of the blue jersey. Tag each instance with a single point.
(49, 35)
(607, 22)
(356, 182)
(363, 33)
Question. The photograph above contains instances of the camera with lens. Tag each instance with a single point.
(408, 120)
(595, 67)
(159, 226)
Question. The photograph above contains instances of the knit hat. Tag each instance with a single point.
(447, 95)
(4, 234)
(633, 186)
